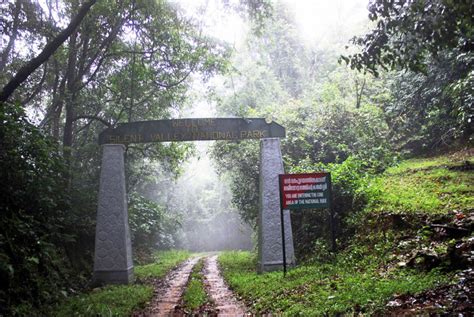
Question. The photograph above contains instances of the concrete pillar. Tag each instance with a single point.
(270, 254)
(113, 251)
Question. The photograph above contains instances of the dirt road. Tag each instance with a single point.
(168, 293)
(226, 303)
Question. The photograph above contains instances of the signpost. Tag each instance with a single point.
(305, 191)
(191, 130)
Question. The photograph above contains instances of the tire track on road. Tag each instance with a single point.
(169, 294)
(226, 303)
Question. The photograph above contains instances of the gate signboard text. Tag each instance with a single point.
(311, 190)
(192, 130)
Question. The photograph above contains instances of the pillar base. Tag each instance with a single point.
(113, 277)
(273, 266)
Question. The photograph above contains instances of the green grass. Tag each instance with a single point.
(107, 301)
(362, 278)
(195, 294)
(422, 185)
(163, 262)
(122, 300)
(350, 284)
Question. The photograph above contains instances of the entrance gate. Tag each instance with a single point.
(113, 252)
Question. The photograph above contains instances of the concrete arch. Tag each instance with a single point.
(113, 262)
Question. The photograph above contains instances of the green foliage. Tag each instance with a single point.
(422, 185)
(150, 226)
(330, 131)
(240, 160)
(430, 111)
(162, 263)
(406, 32)
(33, 223)
(351, 284)
(195, 295)
(328, 114)
(107, 301)
(432, 39)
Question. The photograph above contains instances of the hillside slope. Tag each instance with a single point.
(411, 252)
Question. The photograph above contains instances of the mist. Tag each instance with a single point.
(209, 223)
(198, 207)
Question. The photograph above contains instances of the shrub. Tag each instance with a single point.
(33, 206)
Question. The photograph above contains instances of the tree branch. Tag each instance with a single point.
(38, 87)
(103, 121)
(48, 50)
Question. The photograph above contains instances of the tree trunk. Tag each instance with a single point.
(70, 99)
(13, 35)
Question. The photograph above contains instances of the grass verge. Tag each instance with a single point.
(353, 283)
(163, 262)
(195, 294)
(393, 249)
(107, 301)
(122, 300)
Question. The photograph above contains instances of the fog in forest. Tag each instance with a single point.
(209, 223)
(198, 214)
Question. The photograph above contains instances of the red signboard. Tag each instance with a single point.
(309, 190)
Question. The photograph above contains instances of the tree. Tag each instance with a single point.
(34, 218)
(48, 50)
(126, 61)
(432, 41)
(409, 34)
(328, 111)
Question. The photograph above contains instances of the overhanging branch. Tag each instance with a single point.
(48, 50)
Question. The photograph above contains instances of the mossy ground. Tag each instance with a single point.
(435, 186)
